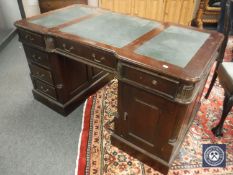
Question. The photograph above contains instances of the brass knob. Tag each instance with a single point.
(154, 82)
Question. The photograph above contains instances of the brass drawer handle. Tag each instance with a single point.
(125, 115)
(97, 60)
(35, 57)
(67, 49)
(154, 82)
(29, 37)
(40, 75)
(43, 89)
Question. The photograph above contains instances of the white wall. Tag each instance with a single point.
(31, 7)
(9, 13)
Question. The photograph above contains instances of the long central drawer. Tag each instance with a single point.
(97, 56)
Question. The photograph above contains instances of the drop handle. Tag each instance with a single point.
(29, 37)
(67, 49)
(40, 75)
(125, 115)
(97, 60)
(35, 57)
(43, 89)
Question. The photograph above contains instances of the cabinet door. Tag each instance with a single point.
(95, 72)
(70, 77)
(186, 12)
(123, 6)
(107, 4)
(140, 8)
(155, 9)
(172, 11)
(145, 120)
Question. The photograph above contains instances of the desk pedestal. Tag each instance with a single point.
(150, 127)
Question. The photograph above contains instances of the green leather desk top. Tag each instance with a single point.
(59, 17)
(174, 45)
(112, 29)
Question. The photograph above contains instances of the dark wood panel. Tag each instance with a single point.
(37, 57)
(41, 73)
(66, 108)
(95, 72)
(147, 120)
(48, 5)
(76, 75)
(96, 56)
(154, 81)
(70, 76)
(31, 38)
(44, 88)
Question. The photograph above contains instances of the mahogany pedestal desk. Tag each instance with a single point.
(161, 70)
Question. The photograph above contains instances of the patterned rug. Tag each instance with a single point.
(96, 155)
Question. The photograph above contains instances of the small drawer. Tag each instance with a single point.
(37, 56)
(44, 88)
(103, 58)
(69, 47)
(41, 73)
(161, 84)
(32, 38)
(95, 55)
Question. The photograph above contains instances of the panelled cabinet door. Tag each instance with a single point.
(186, 12)
(140, 8)
(107, 4)
(123, 6)
(155, 9)
(172, 11)
(68, 85)
(146, 120)
(95, 72)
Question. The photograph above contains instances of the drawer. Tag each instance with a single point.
(44, 88)
(32, 38)
(41, 73)
(161, 84)
(70, 47)
(97, 56)
(37, 56)
(104, 58)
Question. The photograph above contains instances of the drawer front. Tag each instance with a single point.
(32, 38)
(70, 47)
(153, 81)
(44, 88)
(37, 57)
(92, 54)
(41, 73)
(103, 58)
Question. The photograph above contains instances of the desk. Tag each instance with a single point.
(161, 70)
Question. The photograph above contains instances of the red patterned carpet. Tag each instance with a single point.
(98, 157)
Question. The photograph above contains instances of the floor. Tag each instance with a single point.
(4, 34)
(34, 140)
